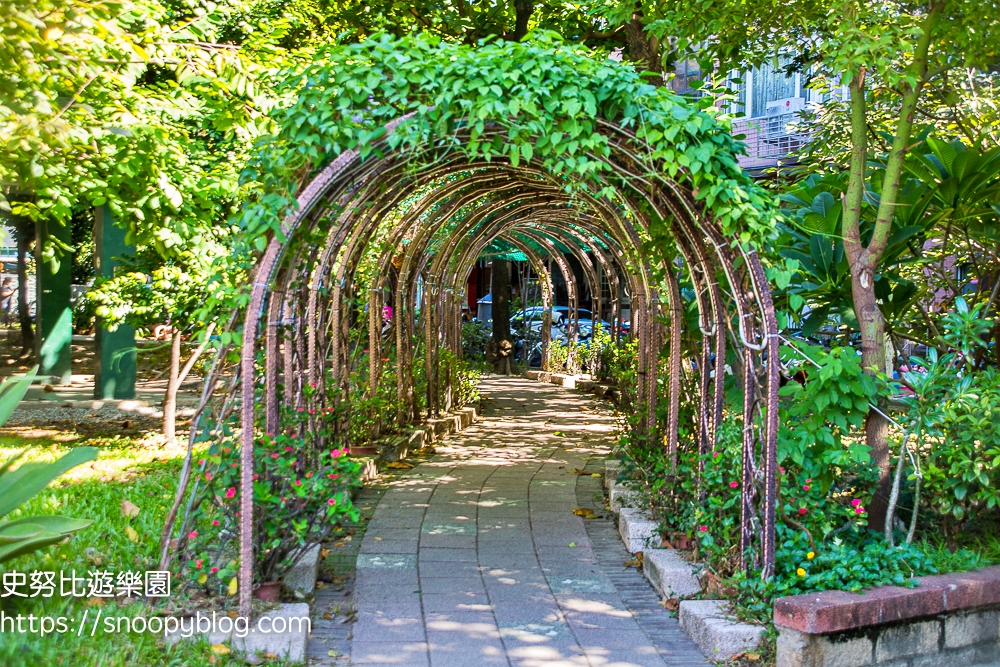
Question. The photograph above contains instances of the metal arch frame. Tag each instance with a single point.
(351, 183)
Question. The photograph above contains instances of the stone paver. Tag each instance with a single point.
(476, 558)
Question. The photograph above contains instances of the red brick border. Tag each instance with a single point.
(838, 611)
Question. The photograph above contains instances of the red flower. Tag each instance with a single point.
(703, 529)
(298, 482)
(803, 511)
(197, 564)
(208, 477)
(231, 492)
(275, 455)
(216, 522)
(856, 502)
(733, 485)
(309, 475)
(331, 501)
(214, 570)
(805, 487)
(193, 534)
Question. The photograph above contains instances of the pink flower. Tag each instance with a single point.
(312, 411)
(226, 450)
(255, 476)
(781, 469)
(193, 534)
(300, 410)
(715, 455)
(331, 501)
(856, 502)
(703, 529)
(312, 384)
(336, 453)
(275, 455)
(197, 564)
(309, 475)
(298, 482)
(288, 449)
(233, 465)
(214, 570)
(803, 511)
(216, 523)
(231, 492)
(805, 487)
(208, 477)
(809, 481)
(347, 450)
(733, 485)
(333, 476)
(859, 510)
(202, 462)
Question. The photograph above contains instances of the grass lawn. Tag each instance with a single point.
(128, 469)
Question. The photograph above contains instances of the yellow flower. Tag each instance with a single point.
(800, 572)
(811, 555)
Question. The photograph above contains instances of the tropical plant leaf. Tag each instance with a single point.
(19, 486)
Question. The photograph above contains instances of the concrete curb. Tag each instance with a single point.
(289, 627)
(718, 635)
(671, 575)
(301, 578)
(638, 529)
(430, 431)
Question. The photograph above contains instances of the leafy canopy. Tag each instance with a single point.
(537, 101)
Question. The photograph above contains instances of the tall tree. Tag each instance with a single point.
(899, 49)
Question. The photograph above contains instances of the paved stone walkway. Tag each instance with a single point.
(476, 558)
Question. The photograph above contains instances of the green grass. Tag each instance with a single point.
(126, 469)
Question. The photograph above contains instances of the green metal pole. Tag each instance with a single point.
(54, 315)
(114, 376)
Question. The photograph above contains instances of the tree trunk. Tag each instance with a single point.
(170, 396)
(523, 10)
(500, 288)
(25, 231)
(864, 259)
(642, 49)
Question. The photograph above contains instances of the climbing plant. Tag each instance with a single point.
(550, 102)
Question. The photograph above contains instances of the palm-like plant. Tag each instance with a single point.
(19, 486)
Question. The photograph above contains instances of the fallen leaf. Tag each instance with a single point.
(271, 656)
(220, 649)
(572, 544)
(324, 553)
(595, 474)
(378, 539)
(203, 578)
(339, 544)
(399, 465)
(132, 535)
(95, 602)
(636, 562)
(332, 654)
(585, 512)
(671, 604)
(232, 613)
(559, 434)
(129, 510)
(233, 586)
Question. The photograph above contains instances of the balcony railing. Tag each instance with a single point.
(769, 139)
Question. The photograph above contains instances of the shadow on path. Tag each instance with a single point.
(476, 558)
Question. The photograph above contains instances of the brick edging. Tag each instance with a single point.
(838, 611)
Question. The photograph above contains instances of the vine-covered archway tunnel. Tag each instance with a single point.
(402, 163)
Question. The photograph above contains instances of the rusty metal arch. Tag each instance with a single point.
(300, 288)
